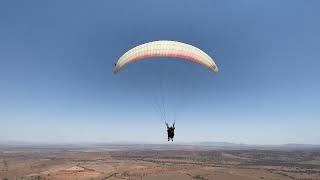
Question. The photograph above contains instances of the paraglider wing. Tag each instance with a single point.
(166, 48)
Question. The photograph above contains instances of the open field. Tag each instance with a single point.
(156, 162)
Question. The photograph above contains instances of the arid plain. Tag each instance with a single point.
(158, 162)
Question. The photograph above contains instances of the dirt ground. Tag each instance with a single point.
(124, 163)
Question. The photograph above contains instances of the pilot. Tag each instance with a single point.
(170, 131)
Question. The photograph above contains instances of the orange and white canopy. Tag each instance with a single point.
(164, 48)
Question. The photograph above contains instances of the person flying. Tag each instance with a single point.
(170, 131)
(167, 49)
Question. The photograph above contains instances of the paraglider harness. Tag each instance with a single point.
(170, 131)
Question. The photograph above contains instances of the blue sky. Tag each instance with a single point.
(57, 82)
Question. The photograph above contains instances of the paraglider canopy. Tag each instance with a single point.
(164, 48)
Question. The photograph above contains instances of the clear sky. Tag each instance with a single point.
(57, 82)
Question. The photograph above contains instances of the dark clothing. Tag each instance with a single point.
(170, 131)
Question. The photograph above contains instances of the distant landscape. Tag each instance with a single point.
(206, 160)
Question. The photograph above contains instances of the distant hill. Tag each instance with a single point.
(207, 145)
